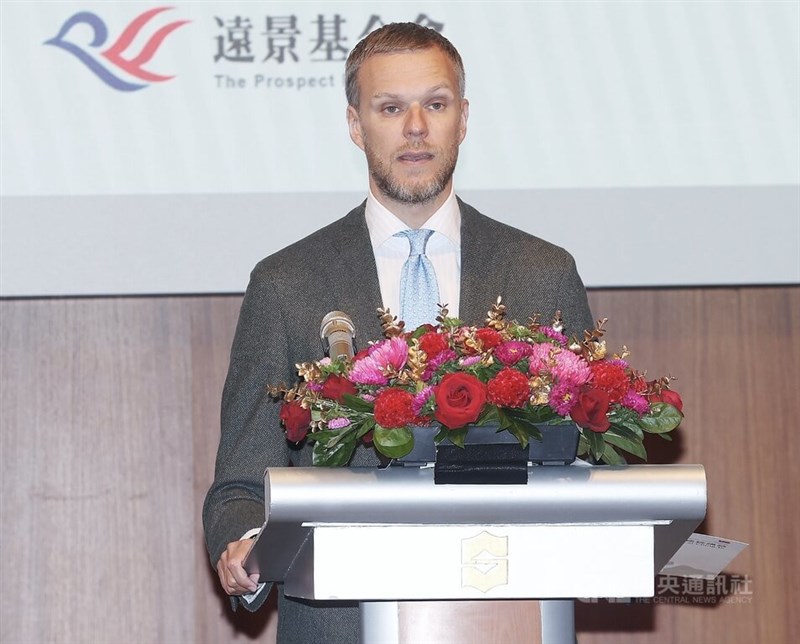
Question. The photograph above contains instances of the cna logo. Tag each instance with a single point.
(117, 66)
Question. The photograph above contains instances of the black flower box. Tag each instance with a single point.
(489, 456)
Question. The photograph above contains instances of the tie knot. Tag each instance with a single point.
(417, 238)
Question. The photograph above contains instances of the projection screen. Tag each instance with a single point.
(151, 148)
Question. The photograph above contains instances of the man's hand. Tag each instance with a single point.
(232, 576)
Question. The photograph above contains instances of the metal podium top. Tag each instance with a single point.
(672, 498)
(554, 494)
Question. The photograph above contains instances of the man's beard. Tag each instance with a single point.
(411, 193)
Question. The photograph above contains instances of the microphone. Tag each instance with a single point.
(337, 333)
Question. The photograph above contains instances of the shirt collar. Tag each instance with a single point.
(383, 224)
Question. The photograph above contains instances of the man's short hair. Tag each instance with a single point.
(395, 38)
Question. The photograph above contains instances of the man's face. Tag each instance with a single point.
(409, 122)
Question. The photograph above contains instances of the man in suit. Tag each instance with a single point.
(407, 112)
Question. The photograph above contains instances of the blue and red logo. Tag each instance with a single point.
(115, 65)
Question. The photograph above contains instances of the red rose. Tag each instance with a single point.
(668, 396)
(296, 420)
(336, 387)
(459, 400)
(509, 388)
(433, 343)
(489, 338)
(590, 410)
(393, 408)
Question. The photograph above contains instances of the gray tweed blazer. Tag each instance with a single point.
(289, 293)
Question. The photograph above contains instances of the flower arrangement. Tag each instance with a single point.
(504, 373)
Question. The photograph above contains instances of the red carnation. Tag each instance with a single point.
(296, 420)
(590, 410)
(459, 399)
(393, 408)
(509, 388)
(489, 338)
(668, 396)
(610, 378)
(336, 387)
(433, 343)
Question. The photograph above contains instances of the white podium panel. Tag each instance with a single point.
(473, 562)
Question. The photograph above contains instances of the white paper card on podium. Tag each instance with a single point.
(703, 556)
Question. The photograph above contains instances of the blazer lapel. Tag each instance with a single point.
(482, 278)
(361, 295)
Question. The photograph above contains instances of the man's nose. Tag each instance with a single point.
(416, 124)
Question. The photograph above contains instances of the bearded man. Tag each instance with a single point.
(406, 110)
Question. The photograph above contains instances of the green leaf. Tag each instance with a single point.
(630, 423)
(634, 447)
(634, 433)
(441, 435)
(488, 415)
(538, 415)
(596, 444)
(662, 418)
(324, 436)
(364, 427)
(337, 456)
(512, 425)
(520, 434)
(666, 437)
(336, 436)
(583, 445)
(394, 443)
(457, 436)
(357, 404)
(612, 456)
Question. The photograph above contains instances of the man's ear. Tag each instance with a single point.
(354, 125)
(464, 118)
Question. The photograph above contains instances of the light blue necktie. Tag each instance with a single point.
(419, 291)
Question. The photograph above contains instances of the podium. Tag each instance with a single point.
(572, 531)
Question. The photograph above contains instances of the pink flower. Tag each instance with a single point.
(421, 399)
(338, 423)
(551, 333)
(382, 359)
(436, 362)
(390, 353)
(563, 397)
(561, 365)
(511, 352)
(367, 372)
(539, 360)
(469, 361)
(635, 401)
(570, 368)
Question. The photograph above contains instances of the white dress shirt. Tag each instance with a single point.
(443, 249)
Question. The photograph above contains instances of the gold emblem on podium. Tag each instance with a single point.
(484, 561)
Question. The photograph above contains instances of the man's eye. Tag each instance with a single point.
(437, 106)
(391, 109)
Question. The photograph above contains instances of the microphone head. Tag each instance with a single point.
(337, 332)
(336, 321)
